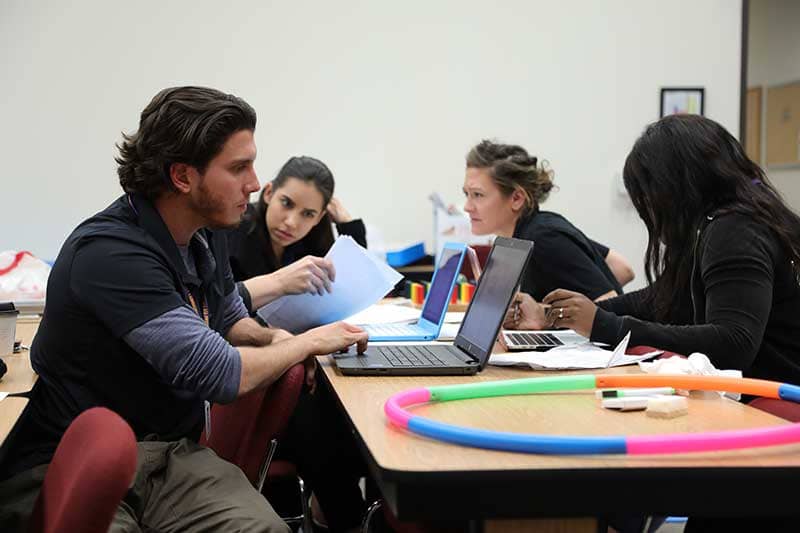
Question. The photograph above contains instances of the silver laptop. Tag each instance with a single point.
(473, 344)
(541, 340)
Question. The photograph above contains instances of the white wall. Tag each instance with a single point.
(774, 59)
(390, 94)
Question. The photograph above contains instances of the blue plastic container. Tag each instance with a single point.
(405, 256)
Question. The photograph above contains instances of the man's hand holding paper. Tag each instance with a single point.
(360, 280)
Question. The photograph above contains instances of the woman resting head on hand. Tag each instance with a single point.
(279, 247)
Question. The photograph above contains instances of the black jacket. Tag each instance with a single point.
(743, 311)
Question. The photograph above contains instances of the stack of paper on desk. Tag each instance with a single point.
(454, 317)
(448, 332)
(361, 280)
(581, 356)
(385, 314)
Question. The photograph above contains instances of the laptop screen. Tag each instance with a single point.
(492, 297)
(441, 287)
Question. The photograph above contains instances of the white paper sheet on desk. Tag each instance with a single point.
(454, 317)
(361, 280)
(448, 332)
(385, 314)
(577, 357)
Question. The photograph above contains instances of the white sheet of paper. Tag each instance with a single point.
(361, 280)
(385, 314)
(3, 395)
(448, 332)
(582, 356)
(454, 317)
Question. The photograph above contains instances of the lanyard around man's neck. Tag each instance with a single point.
(201, 310)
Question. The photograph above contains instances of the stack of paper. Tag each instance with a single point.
(361, 280)
(448, 332)
(581, 356)
(454, 317)
(385, 314)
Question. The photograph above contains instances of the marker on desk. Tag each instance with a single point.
(629, 403)
(627, 393)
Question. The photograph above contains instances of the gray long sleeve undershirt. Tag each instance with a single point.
(235, 310)
(189, 355)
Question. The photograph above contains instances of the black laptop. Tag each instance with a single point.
(473, 345)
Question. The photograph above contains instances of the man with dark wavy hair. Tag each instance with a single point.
(143, 318)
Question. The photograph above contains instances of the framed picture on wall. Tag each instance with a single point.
(676, 100)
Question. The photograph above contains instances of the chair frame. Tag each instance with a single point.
(288, 385)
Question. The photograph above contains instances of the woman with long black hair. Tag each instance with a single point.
(722, 258)
(722, 264)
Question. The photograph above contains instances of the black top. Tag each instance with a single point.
(116, 271)
(744, 310)
(251, 248)
(563, 258)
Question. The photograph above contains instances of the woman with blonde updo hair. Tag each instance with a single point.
(504, 187)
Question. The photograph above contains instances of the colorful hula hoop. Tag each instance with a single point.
(395, 409)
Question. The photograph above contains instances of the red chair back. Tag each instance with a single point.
(89, 475)
(781, 408)
(241, 431)
(482, 251)
(641, 350)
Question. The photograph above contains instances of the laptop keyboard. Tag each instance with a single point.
(534, 339)
(393, 329)
(410, 356)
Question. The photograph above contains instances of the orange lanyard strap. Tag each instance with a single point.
(201, 311)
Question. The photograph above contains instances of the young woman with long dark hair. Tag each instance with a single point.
(722, 264)
(278, 249)
(722, 257)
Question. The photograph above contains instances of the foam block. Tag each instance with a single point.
(667, 406)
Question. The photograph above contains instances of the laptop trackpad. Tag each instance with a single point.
(370, 358)
(378, 356)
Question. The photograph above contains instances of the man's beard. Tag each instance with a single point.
(212, 208)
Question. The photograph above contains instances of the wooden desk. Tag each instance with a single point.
(20, 377)
(426, 479)
(10, 409)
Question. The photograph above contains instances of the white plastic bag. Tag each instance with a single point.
(698, 364)
(22, 276)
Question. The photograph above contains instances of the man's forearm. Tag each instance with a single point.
(263, 289)
(261, 366)
(248, 332)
